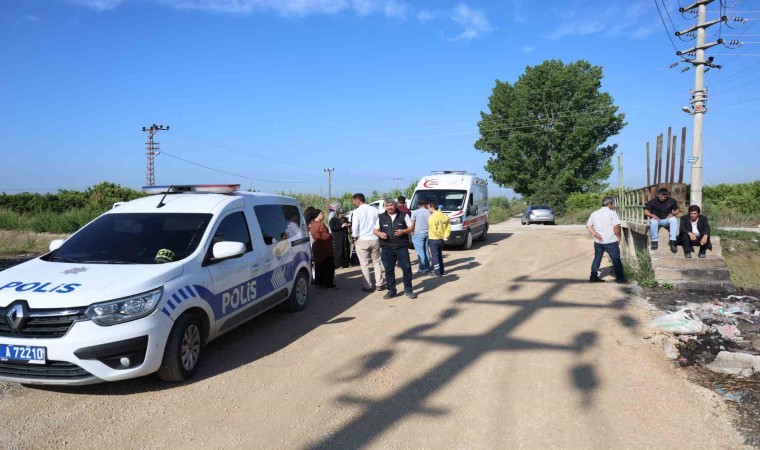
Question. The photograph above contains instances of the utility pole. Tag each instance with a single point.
(699, 94)
(397, 180)
(151, 150)
(329, 183)
(620, 176)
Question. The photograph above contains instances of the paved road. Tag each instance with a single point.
(512, 349)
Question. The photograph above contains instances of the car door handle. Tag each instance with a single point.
(255, 267)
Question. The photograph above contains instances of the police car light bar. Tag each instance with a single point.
(199, 188)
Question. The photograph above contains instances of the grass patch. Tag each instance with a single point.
(742, 254)
(575, 216)
(640, 270)
(22, 242)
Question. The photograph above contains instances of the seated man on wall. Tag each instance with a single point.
(695, 230)
(661, 212)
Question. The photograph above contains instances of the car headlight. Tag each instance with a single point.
(124, 309)
(456, 220)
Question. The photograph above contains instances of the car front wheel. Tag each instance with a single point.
(183, 350)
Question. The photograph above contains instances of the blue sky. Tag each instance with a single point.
(278, 90)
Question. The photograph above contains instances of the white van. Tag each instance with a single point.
(461, 195)
(143, 287)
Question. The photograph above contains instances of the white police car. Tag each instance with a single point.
(144, 286)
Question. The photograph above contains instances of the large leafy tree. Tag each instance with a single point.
(547, 133)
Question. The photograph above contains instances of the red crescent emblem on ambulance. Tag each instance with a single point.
(430, 183)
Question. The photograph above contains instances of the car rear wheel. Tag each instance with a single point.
(299, 296)
(484, 235)
(183, 350)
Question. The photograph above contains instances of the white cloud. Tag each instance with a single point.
(527, 49)
(425, 16)
(474, 22)
(637, 20)
(31, 18)
(283, 7)
(98, 5)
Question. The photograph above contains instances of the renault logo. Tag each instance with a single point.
(17, 314)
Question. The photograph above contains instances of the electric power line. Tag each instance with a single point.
(665, 26)
(235, 174)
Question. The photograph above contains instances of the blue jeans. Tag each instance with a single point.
(420, 241)
(671, 224)
(613, 250)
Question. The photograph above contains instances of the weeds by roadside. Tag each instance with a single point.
(641, 271)
(22, 242)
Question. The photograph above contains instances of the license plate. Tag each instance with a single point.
(26, 353)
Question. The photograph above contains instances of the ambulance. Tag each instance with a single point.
(143, 287)
(461, 195)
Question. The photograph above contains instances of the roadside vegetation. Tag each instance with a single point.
(741, 249)
(28, 222)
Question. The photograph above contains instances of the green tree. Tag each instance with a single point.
(547, 132)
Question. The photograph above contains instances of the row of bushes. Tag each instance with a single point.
(724, 204)
(99, 197)
(67, 211)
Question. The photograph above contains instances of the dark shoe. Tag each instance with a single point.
(702, 255)
(389, 295)
(368, 289)
(673, 247)
(381, 288)
(654, 245)
(410, 294)
(687, 255)
(332, 288)
(595, 280)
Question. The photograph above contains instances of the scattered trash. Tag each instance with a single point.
(739, 364)
(671, 352)
(682, 321)
(734, 397)
(727, 331)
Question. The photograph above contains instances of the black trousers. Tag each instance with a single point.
(391, 256)
(324, 273)
(688, 244)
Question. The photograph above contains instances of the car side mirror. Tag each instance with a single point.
(227, 250)
(473, 210)
(55, 244)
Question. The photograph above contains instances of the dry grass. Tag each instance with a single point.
(13, 242)
(743, 262)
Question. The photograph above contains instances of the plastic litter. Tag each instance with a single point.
(683, 321)
(739, 364)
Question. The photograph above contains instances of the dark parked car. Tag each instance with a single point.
(537, 214)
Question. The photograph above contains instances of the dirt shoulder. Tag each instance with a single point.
(513, 348)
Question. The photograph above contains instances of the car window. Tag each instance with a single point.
(233, 228)
(541, 207)
(134, 238)
(279, 222)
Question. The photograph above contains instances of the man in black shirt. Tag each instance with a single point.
(662, 213)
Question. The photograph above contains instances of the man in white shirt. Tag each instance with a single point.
(363, 223)
(604, 226)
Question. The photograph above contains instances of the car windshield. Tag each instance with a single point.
(446, 199)
(139, 238)
(540, 207)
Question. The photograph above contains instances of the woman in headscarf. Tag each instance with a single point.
(339, 227)
(322, 252)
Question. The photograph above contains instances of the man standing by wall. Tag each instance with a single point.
(420, 218)
(439, 230)
(604, 225)
(662, 213)
(363, 224)
(393, 228)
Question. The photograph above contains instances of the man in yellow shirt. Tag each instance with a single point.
(438, 233)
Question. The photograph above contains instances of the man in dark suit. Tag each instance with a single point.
(695, 231)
